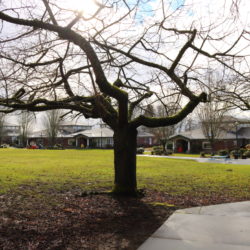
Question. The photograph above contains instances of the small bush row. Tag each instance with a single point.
(159, 150)
(242, 152)
(139, 151)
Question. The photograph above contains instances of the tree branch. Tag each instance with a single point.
(65, 80)
(74, 21)
(182, 51)
(50, 12)
(135, 103)
(168, 121)
(80, 41)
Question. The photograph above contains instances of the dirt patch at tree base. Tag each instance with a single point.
(100, 221)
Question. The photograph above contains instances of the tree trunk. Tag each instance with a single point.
(125, 161)
(212, 144)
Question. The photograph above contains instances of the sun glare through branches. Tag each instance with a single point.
(87, 7)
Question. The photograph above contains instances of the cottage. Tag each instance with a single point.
(101, 137)
(194, 141)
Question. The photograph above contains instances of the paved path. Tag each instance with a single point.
(219, 227)
(227, 161)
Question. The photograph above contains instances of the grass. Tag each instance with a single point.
(148, 152)
(178, 177)
(59, 169)
(186, 155)
(93, 169)
(43, 203)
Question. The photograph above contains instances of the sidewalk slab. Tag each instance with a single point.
(168, 244)
(233, 209)
(218, 227)
(206, 228)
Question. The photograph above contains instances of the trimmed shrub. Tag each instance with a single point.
(242, 151)
(223, 152)
(139, 151)
(168, 152)
(235, 154)
(247, 153)
(57, 146)
(157, 150)
(202, 154)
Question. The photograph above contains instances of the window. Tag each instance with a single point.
(110, 141)
(71, 142)
(206, 145)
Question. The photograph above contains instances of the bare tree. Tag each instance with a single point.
(106, 64)
(236, 93)
(52, 121)
(2, 121)
(190, 122)
(212, 119)
(25, 121)
(149, 111)
(163, 133)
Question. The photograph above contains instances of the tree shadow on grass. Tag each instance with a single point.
(98, 221)
(141, 220)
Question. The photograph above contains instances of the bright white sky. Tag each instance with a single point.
(88, 7)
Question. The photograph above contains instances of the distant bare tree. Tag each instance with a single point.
(2, 121)
(149, 111)
(190, 122)
(235, 92)
(25, 120)
(162, 134)
(52, 121)
(212, 119)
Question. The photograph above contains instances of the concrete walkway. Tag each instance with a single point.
(209, 160)
(219, 227)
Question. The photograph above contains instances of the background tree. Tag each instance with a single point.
(189, 123)
(52, 121)
(235, 92)
(95, 63)
(149, 111)
(163, 133)
(212, 117)
(2, 121)
(25, 121)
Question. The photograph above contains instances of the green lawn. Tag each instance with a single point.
(93, 169)
(186, 155)
(178, 154)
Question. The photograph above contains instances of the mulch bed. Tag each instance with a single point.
(94, 221)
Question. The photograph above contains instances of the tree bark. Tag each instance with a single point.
(125, 143)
